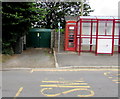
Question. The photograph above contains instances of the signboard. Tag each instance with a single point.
(59, 24)
(71, 27)
(104, 46)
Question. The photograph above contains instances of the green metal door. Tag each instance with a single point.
(45, 39)
(42, 39)
(39, 38)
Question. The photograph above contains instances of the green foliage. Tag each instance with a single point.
(61, 30)
(58, 10)
(17, 18)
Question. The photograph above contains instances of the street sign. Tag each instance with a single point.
(59, 24)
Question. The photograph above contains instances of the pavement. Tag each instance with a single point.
(44, 58)
(85, 60)
(69, 59)
(31, 58)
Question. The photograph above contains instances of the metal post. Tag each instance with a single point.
(97, 37)
(59, 37)
(80, 38)
(81, 7)
(119, 37)
(91, 36)
(113, 30)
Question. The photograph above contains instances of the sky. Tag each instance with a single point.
(104, 7)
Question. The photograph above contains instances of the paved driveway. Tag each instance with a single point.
(31, 58)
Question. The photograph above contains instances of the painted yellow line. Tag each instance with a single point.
(60, 81)
(110, 77)
(64, 86)
(72, 90)
(106, 73)
(116, 80)
(73, 84)
(33, 70)
(116, 74)
(91, 93)
(49, 95)
(18, 93)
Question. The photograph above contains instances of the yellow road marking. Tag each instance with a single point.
(33, 70)
(75, 85)
(65, 92)
(89, 95)
(66, 83)
(116, 80)
(106, 74)
(116, 74)
(60, 81)
(64, 86)
(72, 90)
(49, 95)
(110, 77)
(113, 76)
(18, 93)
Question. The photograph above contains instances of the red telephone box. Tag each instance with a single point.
(100, 35)
(70, 36)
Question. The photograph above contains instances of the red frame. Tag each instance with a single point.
(92, 21)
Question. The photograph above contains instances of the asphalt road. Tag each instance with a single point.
(60, 83)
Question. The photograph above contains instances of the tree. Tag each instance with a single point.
(17, 18)
(58, 10)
